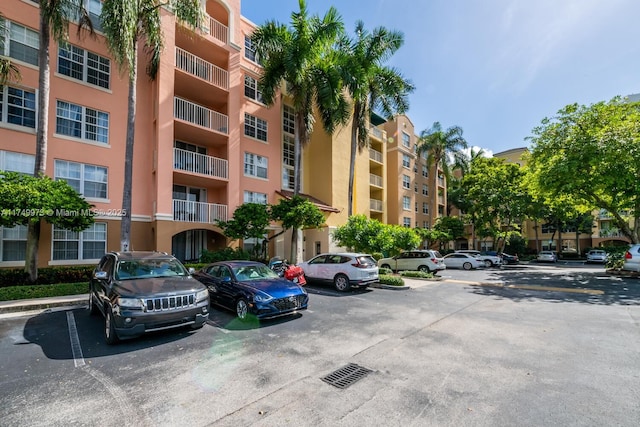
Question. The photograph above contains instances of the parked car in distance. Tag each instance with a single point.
(509, 259)
(462, 260)
(251, 289)
(428, 261)
(140, 292)
(632, 258)
(345, 270)
(487, 259)
(547, 256)
(597, 255)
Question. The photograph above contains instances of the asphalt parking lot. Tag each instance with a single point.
(441, 353)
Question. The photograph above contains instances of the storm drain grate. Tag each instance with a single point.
(347, 375)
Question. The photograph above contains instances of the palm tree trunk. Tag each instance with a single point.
(40, 168)
(296, 235)
(352, 163)
(125, 225)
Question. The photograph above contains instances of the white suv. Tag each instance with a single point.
(344, 270)
(487, 260)
(428, 261)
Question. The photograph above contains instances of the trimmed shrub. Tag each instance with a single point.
(391, 280)
(386, 271)
(417, 274)
(225, 254)
(47, 275)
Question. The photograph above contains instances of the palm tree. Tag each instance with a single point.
(303, 57)
(440, 145)
(125, 24)
(8, 70)
(371, 85)
(55, 16)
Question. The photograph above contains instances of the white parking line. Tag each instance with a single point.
(78, 358)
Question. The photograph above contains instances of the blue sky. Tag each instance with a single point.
(496, 68)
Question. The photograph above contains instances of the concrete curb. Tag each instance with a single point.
(43, 303)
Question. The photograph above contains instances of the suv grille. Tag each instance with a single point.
(169, 303)
(288, 303)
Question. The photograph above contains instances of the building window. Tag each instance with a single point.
(416, 208)
(406, 140)
(406, 161)
(88, 180)
(425, 208)
(83, 65)
(406, 222)
(18, 106)
(425, 225)
(406, 203)
(425, 190)
(23, 43)
(89, 244)
(406, 182)
(255, 127)
(251, 89)
(94, 7)
(82, 122)
(17, 162)
(249, 49)
(14, 243)
(255, 165)
(288, 162)
(288, 119)
(440, 210)
(425, 171)
(251, 197)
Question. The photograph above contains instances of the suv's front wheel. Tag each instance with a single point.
(110, 335)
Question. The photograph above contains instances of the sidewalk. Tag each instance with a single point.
(31, 306)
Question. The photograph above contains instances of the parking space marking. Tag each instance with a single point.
(531, 287)
(76, 349)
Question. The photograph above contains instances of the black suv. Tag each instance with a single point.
(140, 292)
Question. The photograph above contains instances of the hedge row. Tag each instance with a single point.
(46, 275)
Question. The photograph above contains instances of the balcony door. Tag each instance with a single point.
(189, 203)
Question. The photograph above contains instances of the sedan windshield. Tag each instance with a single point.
(254, 272)
(146, 268)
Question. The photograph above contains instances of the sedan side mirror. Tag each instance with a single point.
(192, 270)
(100, 275)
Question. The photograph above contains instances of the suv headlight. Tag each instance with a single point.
(262, 297)
(202, 295)
(130, 302)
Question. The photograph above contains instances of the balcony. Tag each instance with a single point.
(216, 29)
(189, 161)
(375, 205)
(375, 180)
(208, 213)
(375, 155)
(198, 115)
(198, 67)
(377, 133)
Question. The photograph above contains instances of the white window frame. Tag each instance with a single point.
(406, 140)
(22, 35)
(12, 161)
(28, 106)
(257, 126)
(288, 119)
(250, 50)
(406, 161)
(84, 172)
(425, 190)
(406, 222)
(251, 90)
(254, 163)
(13, 234)
(59, 235)
(406, 203)
(67, 108)
(425, 171)
(82, 58)
(406, 182)
(255, 197)
(425, 208)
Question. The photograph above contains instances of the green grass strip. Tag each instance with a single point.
(11, 293)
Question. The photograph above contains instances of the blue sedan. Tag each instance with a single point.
(251, 289)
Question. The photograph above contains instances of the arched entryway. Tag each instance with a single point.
(188, 245)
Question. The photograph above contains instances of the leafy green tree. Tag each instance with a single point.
(25, 199)
(362, 234)
(128, 26)
(296, 213)
(249, 221)
(452, 226)
(55, 16)
(371, 85)
(591, 156)
(302, 57)
(440, 145)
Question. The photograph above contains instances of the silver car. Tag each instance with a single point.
(488, 260)
(632, 258)
(547, 256)
(428, 261)
(597, 255)
(345, 270)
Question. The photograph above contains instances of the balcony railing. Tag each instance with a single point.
(199, 115)
(375, 205)
(196, 66)
(208, 213)
(200, 163)
(375, 180)
(216, 29)
(376, 132)
(375, 155)
(611, 233)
